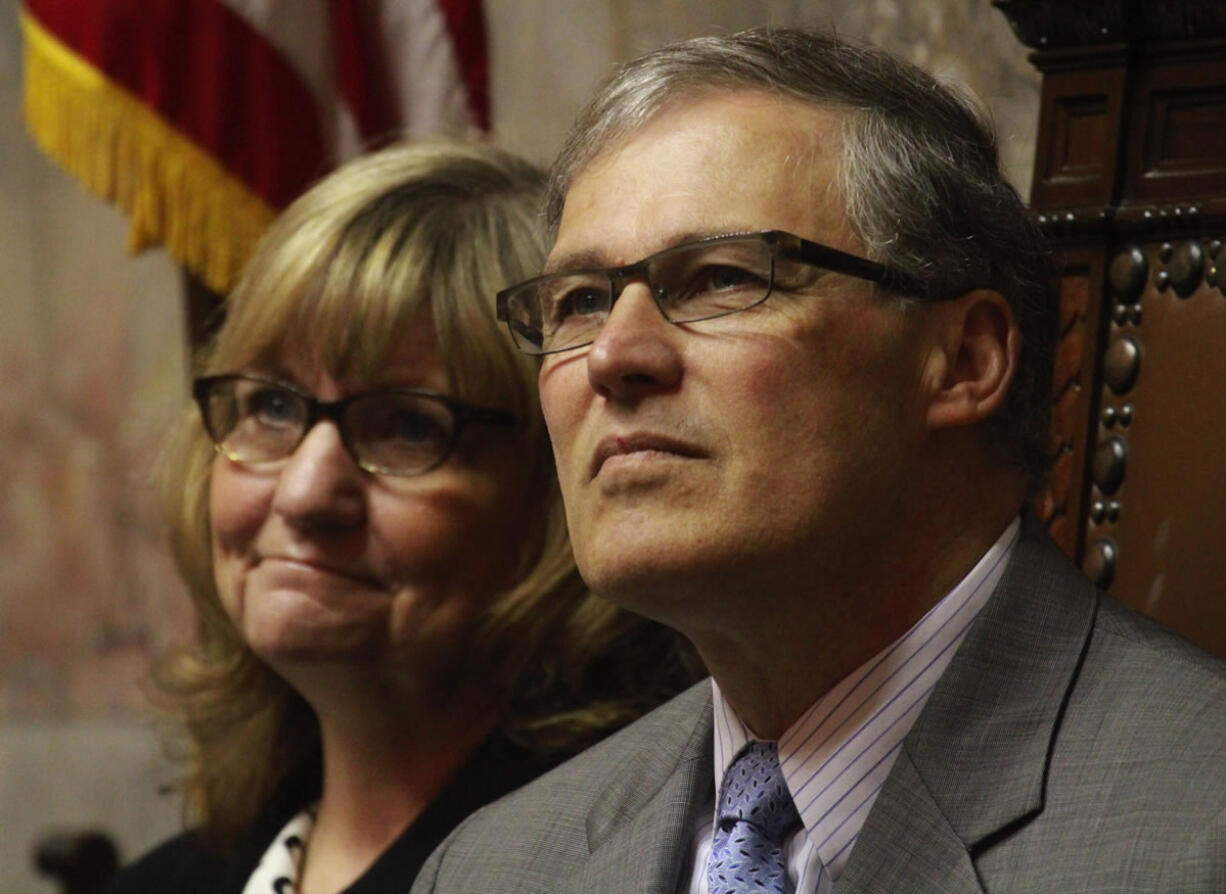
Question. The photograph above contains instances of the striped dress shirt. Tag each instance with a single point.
(836, 757)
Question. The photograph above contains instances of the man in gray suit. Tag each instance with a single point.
(814, 465)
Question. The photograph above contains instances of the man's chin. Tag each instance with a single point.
(658, 587)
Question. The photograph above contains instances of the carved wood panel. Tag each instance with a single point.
(1179, 112)
(1157, 475)
(1081, 122)
(1073, 388)
(1130, 184)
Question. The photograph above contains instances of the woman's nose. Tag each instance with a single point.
(320, 485)
(637, 351)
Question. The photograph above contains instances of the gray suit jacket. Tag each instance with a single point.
(1071, 746)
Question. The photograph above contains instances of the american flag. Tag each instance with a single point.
(201, 119)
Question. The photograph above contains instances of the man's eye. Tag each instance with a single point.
(582, 301)
(711, 288)
(722, 277)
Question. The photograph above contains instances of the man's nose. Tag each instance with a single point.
(637, 351)
(320, 485)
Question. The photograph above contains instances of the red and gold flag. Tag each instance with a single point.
(201, 119)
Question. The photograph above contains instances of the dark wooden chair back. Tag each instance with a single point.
(1130, 184)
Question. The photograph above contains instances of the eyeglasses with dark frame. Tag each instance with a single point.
(256, 420)
(696, 281)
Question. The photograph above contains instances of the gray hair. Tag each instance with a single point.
(920, 179)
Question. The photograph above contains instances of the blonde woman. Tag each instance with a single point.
(391, 631)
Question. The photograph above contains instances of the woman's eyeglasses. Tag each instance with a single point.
(392, 431)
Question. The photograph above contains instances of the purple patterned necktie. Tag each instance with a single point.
(755, 813)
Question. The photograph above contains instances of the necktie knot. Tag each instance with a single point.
(755, 814)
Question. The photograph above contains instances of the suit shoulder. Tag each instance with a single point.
(531, 838)
(1145, 688)
(1164, 654)
(650, 745)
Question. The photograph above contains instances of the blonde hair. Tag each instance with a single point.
(346, 271)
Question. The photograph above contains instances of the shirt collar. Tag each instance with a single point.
(871, 692)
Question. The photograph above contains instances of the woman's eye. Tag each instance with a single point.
(273, 406)
(413, 428)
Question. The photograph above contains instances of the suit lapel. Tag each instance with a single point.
(975, 762)
(639, 830)
(907, 844)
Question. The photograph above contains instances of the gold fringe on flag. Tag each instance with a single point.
(172, 191)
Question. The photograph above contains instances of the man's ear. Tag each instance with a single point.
(982, 344)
